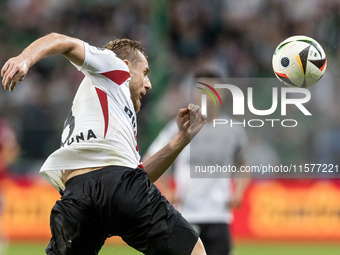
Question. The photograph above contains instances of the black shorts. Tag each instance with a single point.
(215, 237)
(117, 201)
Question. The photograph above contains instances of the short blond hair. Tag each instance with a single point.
(126, 49)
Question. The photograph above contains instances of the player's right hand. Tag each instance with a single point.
(13, 71)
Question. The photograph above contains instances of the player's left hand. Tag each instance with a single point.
(190, 121)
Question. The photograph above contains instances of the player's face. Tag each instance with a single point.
(139, 82)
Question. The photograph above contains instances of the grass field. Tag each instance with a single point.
(240, 249)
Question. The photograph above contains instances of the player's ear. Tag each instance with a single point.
(128, 63)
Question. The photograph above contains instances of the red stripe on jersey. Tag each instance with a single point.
(117, 76)
(140, 166)
(103, 102)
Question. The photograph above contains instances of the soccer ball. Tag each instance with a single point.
(299, 61)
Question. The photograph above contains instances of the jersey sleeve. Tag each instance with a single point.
(103, 67)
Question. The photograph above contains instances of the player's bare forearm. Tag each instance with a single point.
(157, 164)
(189, 121)
(16, 68)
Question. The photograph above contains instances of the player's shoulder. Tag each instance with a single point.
(101, 59)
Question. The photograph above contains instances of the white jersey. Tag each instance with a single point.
(204, 200)
(101, 128)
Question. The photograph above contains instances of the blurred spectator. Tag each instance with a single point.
(9, 147)
(9, 151)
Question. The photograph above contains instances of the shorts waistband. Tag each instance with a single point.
(94, 174)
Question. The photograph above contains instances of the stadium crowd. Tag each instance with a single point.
(238, 36)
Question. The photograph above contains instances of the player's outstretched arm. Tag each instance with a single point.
(189, 121)
(16, 68)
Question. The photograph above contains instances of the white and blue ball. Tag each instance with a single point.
(299, 61)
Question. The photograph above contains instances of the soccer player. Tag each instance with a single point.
(105, 188)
